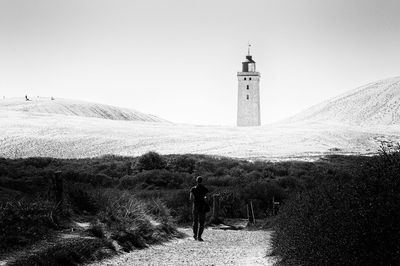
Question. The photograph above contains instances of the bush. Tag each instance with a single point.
(130, 220)
(96, 230)
(23, 222)
(344, 222)
(73, 251)
(150, 161)
(231, 203)
(15, 184)
(102, 180)
(154, 179)
(38, 162)
(223, 181)
(262, 192)
(183, 163)
(289, 182)
(177, 201)
(81, 200)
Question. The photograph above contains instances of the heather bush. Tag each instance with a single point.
(101, 180)
(23, 222)
(177, 201)
(289, 182)
(344, 221)
(38, 162)
(231, 203)
(223, 181)
(150, 161)
(97, 230)
(172, 174)
(81, 200)
(262, 192)
(154, 179)
(183, 163)
(72, 251)
(133, 222)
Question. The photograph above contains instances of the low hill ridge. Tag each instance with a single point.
(75, 108)
(374, 104)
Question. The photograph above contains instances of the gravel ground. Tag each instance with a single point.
(220, 247)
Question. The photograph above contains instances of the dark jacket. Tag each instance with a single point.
(199, 192)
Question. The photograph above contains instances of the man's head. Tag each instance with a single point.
(199, 179)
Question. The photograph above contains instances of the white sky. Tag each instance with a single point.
(178, 58)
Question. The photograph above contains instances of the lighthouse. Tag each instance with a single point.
(248, 107)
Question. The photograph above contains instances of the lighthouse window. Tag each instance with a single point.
(247, 96)
(247, 86)
(244, 78)
(249, 78)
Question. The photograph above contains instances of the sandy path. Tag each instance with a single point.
(219, 248)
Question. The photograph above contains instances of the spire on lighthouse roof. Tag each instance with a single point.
(248, 56)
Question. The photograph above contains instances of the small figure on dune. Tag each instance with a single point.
(52, 98)
(200, 207)
(26, 98)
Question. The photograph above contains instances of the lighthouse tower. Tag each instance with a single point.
(248, 112)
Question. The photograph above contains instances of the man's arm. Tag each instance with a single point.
(191, 197)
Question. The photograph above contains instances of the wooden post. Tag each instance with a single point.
(249, 218)
(215, 213)
(58, 186)
(273, 205)
(252, 212)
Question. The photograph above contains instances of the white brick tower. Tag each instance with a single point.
(248, 113)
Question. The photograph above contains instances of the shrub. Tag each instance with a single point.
(38, 162)
(131, 220)
(289, 182)
(3, 171)
(81, 199)
(204, 166)
(150, 161)
(73, 251)
(314, 226)
(177, 201)
(262, 193)
(344, 222)
(96, 230)
(23, 222)
(223, 181)
(154, 179)
(231, 203)
(102, 180)
(15, 184)
(183, 163)
(237, 171)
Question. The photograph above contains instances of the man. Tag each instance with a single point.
(197, 197)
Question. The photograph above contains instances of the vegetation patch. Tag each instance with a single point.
(344, 221)
(130, 202)
(24, 222)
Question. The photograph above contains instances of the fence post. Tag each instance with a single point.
(252, 212)
(274, 206)
(215, 213)
(249, 218)
(58, 186)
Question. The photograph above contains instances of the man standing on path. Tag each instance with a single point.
(197, 197)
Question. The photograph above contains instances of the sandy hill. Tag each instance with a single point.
(374, 104)
(354, 123)
(73, 108)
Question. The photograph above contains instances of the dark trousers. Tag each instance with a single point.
(199, 217)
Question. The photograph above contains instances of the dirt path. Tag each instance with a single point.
(220, 247)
